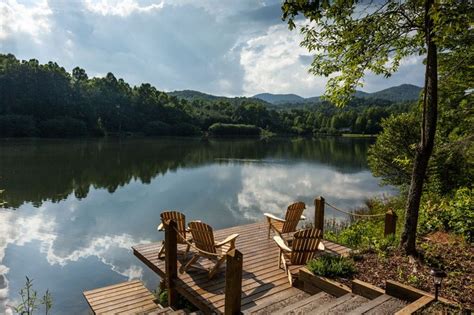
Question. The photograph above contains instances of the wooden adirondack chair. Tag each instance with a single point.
(203, 240)
(294, 214)
(180, 220)
(304, 246)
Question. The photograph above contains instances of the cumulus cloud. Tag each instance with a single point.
(219, 47)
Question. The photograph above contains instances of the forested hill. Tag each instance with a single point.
(401, 93)
(44, 100)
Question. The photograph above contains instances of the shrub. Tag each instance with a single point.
(17, 126)
(332, 266)
(157, 128)
(219, 129)
(63, 127)
(185, 129)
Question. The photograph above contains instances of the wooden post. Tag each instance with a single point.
(319, 214)
(233, 282)
(171, 261)
(390, 222)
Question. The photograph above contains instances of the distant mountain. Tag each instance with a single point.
(279, 98)
(191, 95)
(404, 92)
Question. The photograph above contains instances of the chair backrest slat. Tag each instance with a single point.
(203, 236)
(180, 220)
(305, 245)
(293, 216)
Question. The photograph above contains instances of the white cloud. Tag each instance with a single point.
(121, 8)
(18, 18)
(272, 63)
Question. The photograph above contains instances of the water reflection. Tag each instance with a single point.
(75, 208)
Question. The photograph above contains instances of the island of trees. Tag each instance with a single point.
(44, 100)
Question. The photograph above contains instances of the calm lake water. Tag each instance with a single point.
(76, 207)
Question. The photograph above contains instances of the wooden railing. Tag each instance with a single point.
(233, 274)
(319, 205)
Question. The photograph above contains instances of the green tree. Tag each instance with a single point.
(349, 38)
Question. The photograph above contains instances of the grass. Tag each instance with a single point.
(332, 266)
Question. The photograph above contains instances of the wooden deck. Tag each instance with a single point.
(123, 298)
(261, 277)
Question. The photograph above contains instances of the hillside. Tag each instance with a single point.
(279, 98)
(401, 93)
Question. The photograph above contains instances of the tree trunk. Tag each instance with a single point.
(428, 130)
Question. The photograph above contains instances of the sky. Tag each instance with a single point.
(220, 47)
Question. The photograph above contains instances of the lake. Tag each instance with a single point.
(75, 207)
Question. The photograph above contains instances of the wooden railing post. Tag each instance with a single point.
(233, 282)
(171, 261)
(390, 222)
(319, 213)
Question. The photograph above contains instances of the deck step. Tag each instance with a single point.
(391, 306)
(167, 311)
(345, 307)
(364, 308)
(278, 301)
(307, 305)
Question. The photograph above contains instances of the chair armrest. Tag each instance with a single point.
(281, 243)
(229, 238)
(272, 217)
(160, 227)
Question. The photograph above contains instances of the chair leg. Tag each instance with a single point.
(290, 277)
(185, 267)
(187, 249)
(279, 259)
(162, 250)
(216, 267)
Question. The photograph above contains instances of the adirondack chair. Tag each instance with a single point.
(304, 246)
(203, 240)
(294, 214)
(180, 220)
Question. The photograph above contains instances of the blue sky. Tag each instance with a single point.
(222, 47)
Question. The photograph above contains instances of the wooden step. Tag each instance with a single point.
(278, 301)
(307, 305)
(370, 305)
(128, 297)
(389, 307)
(348, 305)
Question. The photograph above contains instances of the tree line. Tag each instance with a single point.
(44, 100)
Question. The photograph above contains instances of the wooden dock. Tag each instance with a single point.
(261, 277)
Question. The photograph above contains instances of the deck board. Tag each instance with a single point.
(261, 277)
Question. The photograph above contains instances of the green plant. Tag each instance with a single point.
(29, 300)
(332, 266)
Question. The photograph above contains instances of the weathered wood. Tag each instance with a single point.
(416, 305)
(171, 261)
(390, 223)
(233, 282)
(261, 277)
(319, 214)
(402, 291)
(127, 297)
(327, 285)
(366, 290)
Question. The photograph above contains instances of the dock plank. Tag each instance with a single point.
(261, 277)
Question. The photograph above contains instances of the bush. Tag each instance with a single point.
(157, 128)
(63, 127)
(452, 214)
(219, 129)
(185, 129)
(332, 266)
(17, 126)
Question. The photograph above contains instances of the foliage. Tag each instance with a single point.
(234, 130)
(45, 100)
(391, 157)
(30, 302)
(331, 266)
(450, 213)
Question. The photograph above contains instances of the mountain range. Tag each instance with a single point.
(401, 93)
